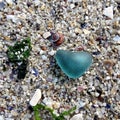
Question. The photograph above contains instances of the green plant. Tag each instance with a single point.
(20, 51)
(51, 111)
(18, 56)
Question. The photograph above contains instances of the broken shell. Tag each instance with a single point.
(36, 97)
(54, 37)
(60, 40)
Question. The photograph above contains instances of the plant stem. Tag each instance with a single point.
(54, 116)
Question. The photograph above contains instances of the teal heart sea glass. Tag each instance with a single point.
(73, 64)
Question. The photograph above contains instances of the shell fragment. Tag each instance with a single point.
(36, 97)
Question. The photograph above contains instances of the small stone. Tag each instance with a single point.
(108, 78)
(43, 48)
(10, 2)
(56, 112)
(116, 24)
(117, 38)
(14, 113)
(72, 6)
(50, 24)
(96, 94)
(77, 117)
(108, 12)
(79, 48)
(44, 57)
(36, 2)
(108, 106)
(83, 25)
(1, 86)
(86, 31)
(46, 35)
(35, 72)
(12, 17)
(78, 31)
(52, 52)
(1, 117)
(81, 104)
(43, 7)
(56, 105)
(81, 88)
(2, 4)
(36, 97)
(48, 102)
(73, 89)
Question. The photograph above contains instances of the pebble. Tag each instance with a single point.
(72, 6)
(35, 72)
(44, 48)
(1, 117)
(56, 105)
(12, 17)
(36, 2)
(96, 94)
(78, 31)
(52, 52)
(14, 113)
(50, 103)
(10, 2)
(80, 88)
(43, 7)
(2, 5)
(117, 38)
(86, 31)
(44, 57)
(108, 12)
(36, 97)
(46, 35)
(83, 25)
(77, 117)
(81, 104)
(56, 112)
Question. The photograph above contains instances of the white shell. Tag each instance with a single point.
(36, 97)
(46, 35)
(108, 12)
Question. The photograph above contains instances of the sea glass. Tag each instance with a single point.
(73, 64)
